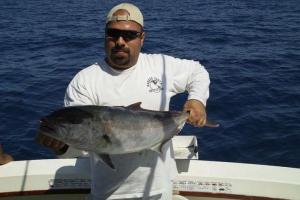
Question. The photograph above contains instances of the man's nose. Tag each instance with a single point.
(120, 41)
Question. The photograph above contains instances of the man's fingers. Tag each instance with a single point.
(196, 118)
(191, 118)
(197, 114)
(201, 122)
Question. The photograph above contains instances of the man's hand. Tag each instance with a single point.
(197, 112)
(57, 146)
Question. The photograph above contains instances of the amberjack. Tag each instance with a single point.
(112, 130)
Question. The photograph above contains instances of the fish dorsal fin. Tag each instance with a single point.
(135, 106)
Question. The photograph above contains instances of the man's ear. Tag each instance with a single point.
(142, 38)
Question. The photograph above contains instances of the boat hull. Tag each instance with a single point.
(69, 179)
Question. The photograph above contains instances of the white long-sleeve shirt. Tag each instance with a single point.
(153, 81)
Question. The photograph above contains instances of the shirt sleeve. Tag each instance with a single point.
(77, 93)
(190, 76)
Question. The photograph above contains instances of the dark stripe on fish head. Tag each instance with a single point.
(59, 123)
(70, 115)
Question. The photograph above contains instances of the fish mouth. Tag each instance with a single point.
(45, 126)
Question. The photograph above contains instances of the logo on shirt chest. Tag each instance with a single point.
(154, 84)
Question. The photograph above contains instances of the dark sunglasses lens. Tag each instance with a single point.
(113, 33)
(130, 35)
(127, 35)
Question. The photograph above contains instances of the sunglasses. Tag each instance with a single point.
(127, 35)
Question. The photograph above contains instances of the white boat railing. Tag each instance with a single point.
(195, 179)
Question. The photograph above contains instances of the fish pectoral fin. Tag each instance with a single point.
(135, 106)
(157, 148)
(107, 160)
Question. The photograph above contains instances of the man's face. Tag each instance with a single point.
(123, 42)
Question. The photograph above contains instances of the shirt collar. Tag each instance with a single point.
(118, 72)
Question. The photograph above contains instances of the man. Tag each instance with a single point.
(124, 77)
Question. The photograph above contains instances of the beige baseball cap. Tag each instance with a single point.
(134, 14)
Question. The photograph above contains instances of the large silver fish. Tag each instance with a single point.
(112, 130)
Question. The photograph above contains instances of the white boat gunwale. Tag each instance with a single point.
(196, 178)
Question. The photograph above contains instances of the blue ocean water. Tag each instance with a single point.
(250, 48)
